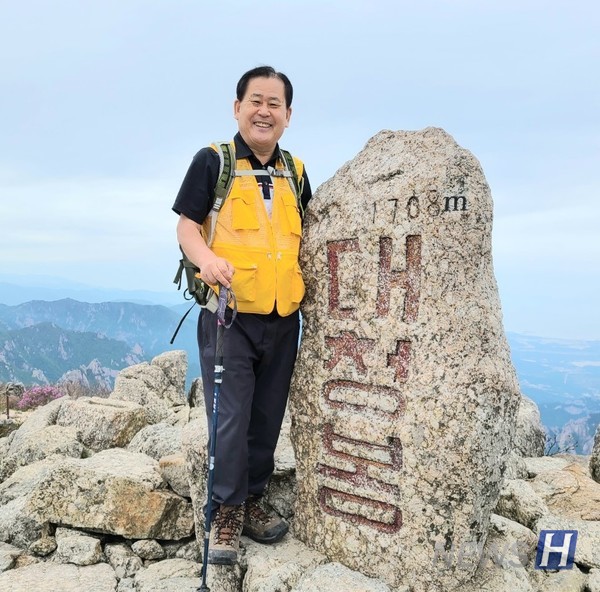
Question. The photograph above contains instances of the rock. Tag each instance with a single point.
(8, 426)
(571, 580)
(595, 458)
(503, 561)
(37, 445)
(8, 556)
(141, 384)
(185, 549)
(194, 442)
(333, 577)
(44, 546)
(52, 577)
(17, 525)
(594, 580)
(34, 440)
(115, 492)
(196, 395)
(545, 464)
(174, 366)
(102, 423)
(148, 386)
(519, 502)
(77, 548)
(530, 437)
(515, 467)
(179, 575)
(174, 472)
(404, 397)
(123, 560)
(126, 585)
(278, 567)
(158, 440)
(148, 550)
(569, 492)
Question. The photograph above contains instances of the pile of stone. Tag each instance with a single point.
(96, 497)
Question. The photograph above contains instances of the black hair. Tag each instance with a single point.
(265, 72)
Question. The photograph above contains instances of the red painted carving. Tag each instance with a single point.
(409, 278)
(400, 360)
(350, 346)
(334, 251)
(359, 479)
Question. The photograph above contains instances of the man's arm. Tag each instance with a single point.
(213, 269)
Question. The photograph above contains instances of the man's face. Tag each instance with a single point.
(262, 115)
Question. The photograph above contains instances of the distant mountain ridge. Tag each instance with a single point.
(46, 354)
(134, 331)
(563, 377)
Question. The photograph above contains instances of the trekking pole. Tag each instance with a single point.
(225, 297)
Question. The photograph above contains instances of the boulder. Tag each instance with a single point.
(157, 440)
(115, 492)
(278, 567)
(333, 577)
(148, 550)
(37, 445)
(404, 398)
(52, 577)
(17, 525)
(530, 436)
(102, 423)
(77, 547)
(175, 473)
(520, 502)
(123, 560)
(569, 492)
(8, 556)
(174, 366)
(147, 385)
(180, 575)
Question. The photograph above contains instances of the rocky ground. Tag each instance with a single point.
(102, 495)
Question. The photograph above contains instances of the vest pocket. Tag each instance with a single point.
(292, 215)
(244, 283)
(244, 215)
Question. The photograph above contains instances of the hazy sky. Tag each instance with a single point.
(103, 103)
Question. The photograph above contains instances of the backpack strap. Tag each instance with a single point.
(296, 180)
(226, 153)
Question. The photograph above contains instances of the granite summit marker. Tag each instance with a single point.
(404, 397)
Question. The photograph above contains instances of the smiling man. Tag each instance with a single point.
(251, 245)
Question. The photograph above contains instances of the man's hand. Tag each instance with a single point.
(217, 270)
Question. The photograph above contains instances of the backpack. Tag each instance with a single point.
(197, 289)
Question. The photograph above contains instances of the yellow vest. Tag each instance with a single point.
(263, 251)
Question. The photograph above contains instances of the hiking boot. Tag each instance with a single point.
(262, 526)
(225, 533)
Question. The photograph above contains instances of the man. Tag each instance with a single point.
(254, 250)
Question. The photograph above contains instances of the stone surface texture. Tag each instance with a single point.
(102, 423)
(530, 437)
(114, 491)
(595, 458)
(404, 397)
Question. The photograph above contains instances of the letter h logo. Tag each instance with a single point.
(556, 549)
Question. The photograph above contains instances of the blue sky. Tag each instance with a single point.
(103, 103)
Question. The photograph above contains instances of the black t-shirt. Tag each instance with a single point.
(197, 193)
